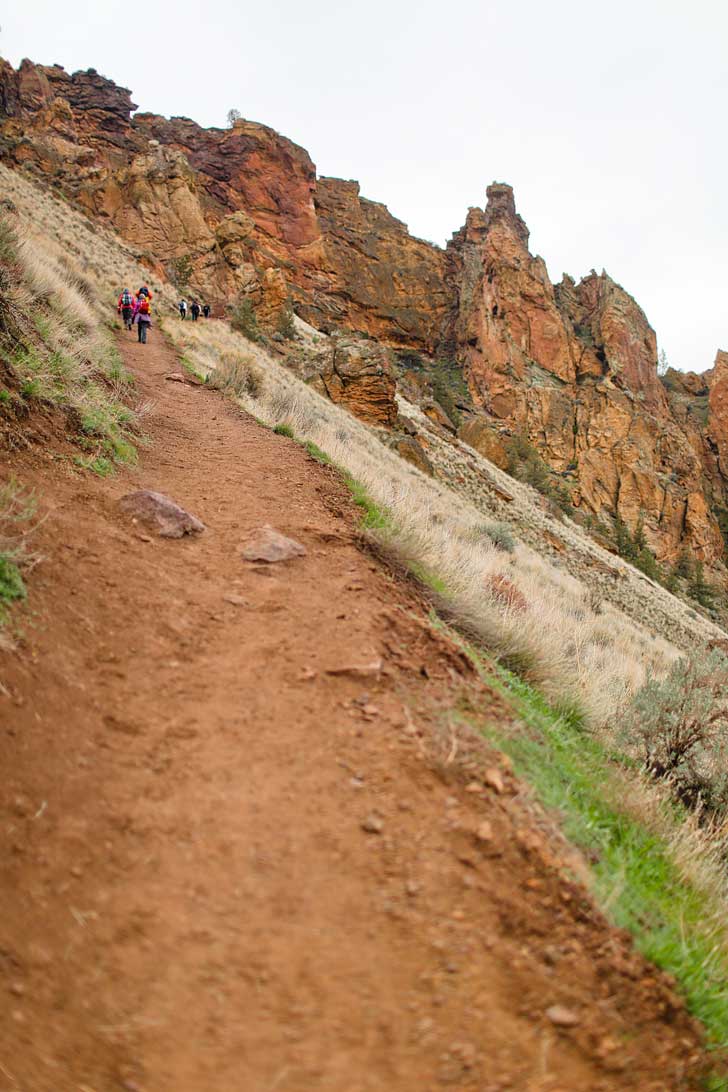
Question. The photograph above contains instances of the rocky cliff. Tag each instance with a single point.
(573, 367)
(570, 368)
(235, 202)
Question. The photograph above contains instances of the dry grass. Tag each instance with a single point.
(578, 656)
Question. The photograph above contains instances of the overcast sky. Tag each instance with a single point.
(609, 119)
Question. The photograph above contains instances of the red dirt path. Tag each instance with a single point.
(190, 902)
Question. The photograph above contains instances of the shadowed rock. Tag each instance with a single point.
(267, 544)
(160, 514)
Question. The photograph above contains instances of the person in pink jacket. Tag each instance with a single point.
(142, 318)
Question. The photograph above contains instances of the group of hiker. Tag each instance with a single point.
(194, 309)
(137, 309)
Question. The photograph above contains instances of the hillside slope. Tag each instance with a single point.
(232, 857)
(239, 214)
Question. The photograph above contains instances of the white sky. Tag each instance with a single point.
(609, 118)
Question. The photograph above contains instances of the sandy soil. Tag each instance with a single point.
(224, 868)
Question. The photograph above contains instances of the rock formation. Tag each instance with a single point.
(573, 367)
(570, 367)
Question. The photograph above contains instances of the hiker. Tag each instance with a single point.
(144, 291)
(143, 319)
(206, 310)
(182, 308)
(125, 307)
(195, 309)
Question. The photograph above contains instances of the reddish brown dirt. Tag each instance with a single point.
(190, 901)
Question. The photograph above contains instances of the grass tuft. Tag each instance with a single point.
(633, 876)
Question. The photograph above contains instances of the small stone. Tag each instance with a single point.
(562, 1017)
(412, 888)
(360, 671)
(494, 780)
(307, 673)
(17, 989)
(372, 824)
(474, 786)
(175, 377)
(267, 544)
(484, 833)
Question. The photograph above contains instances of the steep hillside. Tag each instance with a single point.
(240, 214)
(284, 789)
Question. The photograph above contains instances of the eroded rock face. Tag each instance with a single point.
(357, 374)
(574, 368)
(238, 202)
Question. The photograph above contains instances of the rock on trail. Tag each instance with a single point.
(267, 544)
(161, 514)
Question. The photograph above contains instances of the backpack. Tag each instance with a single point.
(144, 306)
(126, 300)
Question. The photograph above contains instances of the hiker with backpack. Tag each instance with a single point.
(182, 308)
(144, 291)
(195, 309)
(143, 318)
(206, 310)
(125, 307)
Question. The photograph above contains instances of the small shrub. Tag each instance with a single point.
(285, 325)
(284, 430)
(237, 375)
(244, 320)
(526, 465)
(679, 726)
(684, 564)
(497, 533)
(699, 589)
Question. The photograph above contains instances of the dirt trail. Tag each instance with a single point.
(190, 900)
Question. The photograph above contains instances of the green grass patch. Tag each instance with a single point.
(634, 879)
(284, 430)
(97, 464)
(316, 453)
(374, 518)
(12, 585)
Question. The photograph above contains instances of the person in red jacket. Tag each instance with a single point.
(125, 307)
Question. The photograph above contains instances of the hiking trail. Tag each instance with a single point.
(226, 868)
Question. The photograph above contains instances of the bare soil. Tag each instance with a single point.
(223, 867)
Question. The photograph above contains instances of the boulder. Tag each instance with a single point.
(357, 374)
(160, 513)
(413, 452)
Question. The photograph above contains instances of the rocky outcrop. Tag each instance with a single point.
(357, 374)
(571, 367)
(235, 202)
(380, 278)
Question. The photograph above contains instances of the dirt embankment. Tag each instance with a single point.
(224, 867)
